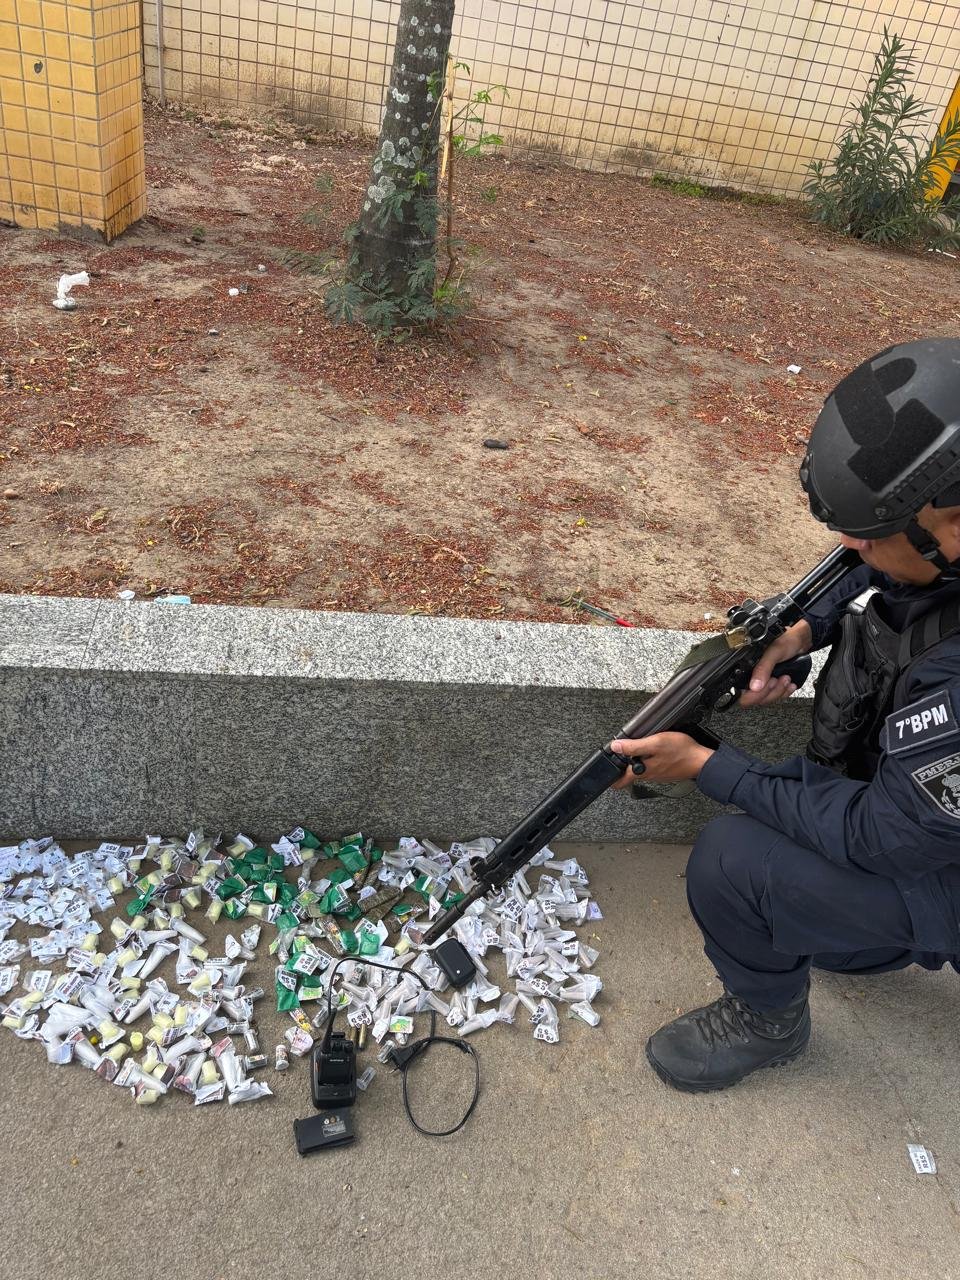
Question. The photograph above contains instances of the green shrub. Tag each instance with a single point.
(881, 184)
(680, 186)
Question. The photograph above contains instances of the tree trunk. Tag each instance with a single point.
(397, 228)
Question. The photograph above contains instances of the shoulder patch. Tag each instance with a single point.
(941, 782)
(921, 723)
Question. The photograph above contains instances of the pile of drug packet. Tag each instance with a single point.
(91, 992)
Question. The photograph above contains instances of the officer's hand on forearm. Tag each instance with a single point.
(666, 757)
(764, 689)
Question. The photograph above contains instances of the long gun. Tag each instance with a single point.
(711, 677)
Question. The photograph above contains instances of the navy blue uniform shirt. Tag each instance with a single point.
(905, 822)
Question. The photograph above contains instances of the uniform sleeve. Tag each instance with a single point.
(824, 616)
(905, 823)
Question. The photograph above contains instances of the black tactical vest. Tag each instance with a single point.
(862, 682)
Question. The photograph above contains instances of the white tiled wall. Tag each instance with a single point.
(743, 92)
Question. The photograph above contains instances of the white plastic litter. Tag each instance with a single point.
(586, 1012)
(922, 1159)
(365, 1079)
(794, 368)
(63, 301)
(92, 992)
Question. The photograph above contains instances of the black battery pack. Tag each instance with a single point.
(329, 1129)
(453, 960)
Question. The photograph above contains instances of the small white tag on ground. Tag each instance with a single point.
(923, 1160)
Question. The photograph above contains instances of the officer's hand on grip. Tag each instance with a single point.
(764, 688)
(666, 757)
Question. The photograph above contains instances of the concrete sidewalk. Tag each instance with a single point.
(578, 1162)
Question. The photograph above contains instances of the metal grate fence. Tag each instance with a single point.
(739, 92)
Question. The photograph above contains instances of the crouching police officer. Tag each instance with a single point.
(848, 858)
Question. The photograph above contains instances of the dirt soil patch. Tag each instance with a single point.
(630, 345)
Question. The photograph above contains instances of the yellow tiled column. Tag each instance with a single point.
(71, 147)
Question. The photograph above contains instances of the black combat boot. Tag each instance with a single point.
(716, 1046)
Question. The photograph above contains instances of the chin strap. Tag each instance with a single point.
(927, 545)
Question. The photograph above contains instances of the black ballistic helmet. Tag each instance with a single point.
(887, 442)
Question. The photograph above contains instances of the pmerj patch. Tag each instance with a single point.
(921, 723)
(941, 782)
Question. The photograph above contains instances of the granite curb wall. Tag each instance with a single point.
(118, 719)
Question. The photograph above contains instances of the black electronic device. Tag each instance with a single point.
(454, 961)
(333, 1063)
(330, 1129)
(333, 1072)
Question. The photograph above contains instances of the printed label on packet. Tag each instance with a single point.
(68, 985)
(300, 1041)
(301, 1019)
(922, 1159)
(44, 950)
(512, 909)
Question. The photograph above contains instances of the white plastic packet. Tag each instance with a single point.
(63, 302)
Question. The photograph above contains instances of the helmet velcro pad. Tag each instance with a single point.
(889, 439)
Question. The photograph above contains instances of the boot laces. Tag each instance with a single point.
(727, 1017)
